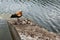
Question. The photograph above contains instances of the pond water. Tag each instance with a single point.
(43, 12)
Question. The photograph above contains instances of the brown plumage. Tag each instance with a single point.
(17, 14)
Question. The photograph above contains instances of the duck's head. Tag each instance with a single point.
(19, 13)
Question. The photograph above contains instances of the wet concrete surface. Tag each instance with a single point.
(4, 30)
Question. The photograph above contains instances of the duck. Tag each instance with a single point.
(17, 15)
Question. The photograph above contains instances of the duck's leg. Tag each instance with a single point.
(18, 21)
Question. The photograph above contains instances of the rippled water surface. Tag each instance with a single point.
(43, 12)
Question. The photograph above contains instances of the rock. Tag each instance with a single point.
(28, 22)
(23, 22)
(31, 31)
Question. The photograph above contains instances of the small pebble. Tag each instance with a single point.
(23, 22)
(29, 22)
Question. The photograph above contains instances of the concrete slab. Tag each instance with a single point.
(4, 30)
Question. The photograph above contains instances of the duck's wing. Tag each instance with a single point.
(13, 16)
